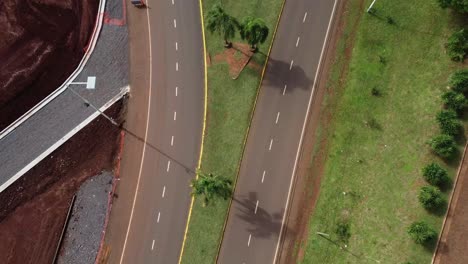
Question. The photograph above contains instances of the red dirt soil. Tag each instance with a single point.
(452, 246)
(41, 44)
(237, 57)
(34, 208)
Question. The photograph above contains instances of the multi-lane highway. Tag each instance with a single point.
(267, 171)
(158, 214)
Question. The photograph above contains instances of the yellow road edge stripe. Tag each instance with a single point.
(248, 128)
(203, 129)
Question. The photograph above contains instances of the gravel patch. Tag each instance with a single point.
(83, 235)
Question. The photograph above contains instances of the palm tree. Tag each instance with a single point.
(219, 21)
(211, 186)
(254, 30)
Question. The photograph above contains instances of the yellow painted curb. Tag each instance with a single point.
(250, 124)
(203, 129)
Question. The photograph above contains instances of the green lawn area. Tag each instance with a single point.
(230, 105)
(379, 166)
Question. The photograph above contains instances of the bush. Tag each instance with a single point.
(448, 122)
(421, 232)
(453, 100)
(342, 230)
(443, 145)
(457, 45)
(457, 5)
(435, 174)
(459, 81)
(431, 197)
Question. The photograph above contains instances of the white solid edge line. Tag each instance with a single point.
(6, 131)
(59, 142)
(303, 131)
(146, 136)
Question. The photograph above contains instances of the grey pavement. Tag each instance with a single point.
(84, 231)
(156, 221)
(256, 216)
(45, 130)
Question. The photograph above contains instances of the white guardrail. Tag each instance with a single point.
(63, 87)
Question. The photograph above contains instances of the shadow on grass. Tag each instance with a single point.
(261, 223)
(430, 245)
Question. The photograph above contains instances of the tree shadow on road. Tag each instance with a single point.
(262, 224)
(280, 73)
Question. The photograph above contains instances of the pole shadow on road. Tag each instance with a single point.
(280, 73)
(262, 224)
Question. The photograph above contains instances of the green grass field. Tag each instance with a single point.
(230, 105)
(379, 166)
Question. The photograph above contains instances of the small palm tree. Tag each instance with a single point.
(254, 31)
(219, 21)
(211, 186)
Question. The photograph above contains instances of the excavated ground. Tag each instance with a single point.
(34, 208)
(41, 44)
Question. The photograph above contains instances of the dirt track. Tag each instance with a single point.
(33, 209)
(452, 246)
(41, 44)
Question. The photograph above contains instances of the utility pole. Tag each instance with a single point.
(371, 5)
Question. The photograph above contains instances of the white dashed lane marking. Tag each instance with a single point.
(248, 242)
(304, 19)
(175, 115)
(256, 207)
(159, 216)
(175, 23)
(271, 144)
(164, 191)
(290, 66)
(263, 176)
(168, 165)
(297, 41)
(152, 246)
(284, 90)
(277, 118)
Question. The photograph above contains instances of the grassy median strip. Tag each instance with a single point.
(383, 116)
(230, 104)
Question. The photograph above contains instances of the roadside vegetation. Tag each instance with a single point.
(230, 104)
(396, 135)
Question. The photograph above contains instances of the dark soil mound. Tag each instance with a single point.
(41, 43)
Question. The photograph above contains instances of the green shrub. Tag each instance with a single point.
(342, 231)
(453, 100)
(443, 145)
(431, 197)
(460, 6)
(434, 174)
(457, 45)
(421, 232)
(459, 81)
(448, 122)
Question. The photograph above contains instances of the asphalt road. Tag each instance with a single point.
(175, 118)
(257, 213)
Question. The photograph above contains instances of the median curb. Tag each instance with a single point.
(205, 111)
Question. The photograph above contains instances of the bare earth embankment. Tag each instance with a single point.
(41, 44)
